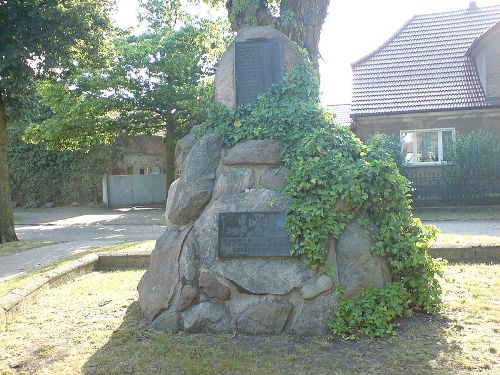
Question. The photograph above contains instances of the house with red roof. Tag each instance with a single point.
(436, 77)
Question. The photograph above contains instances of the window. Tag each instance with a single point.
(427, 147)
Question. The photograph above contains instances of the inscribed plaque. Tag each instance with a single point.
(258, 65)
(253, 234)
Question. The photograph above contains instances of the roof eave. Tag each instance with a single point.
(486, 106)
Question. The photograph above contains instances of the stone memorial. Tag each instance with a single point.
(223, 264)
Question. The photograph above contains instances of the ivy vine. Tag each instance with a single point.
(331, 168)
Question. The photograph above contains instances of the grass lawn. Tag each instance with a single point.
(93, 325)
(136, 246)
(20, 246)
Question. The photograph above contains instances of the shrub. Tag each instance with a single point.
(62, 177)
(390, 145)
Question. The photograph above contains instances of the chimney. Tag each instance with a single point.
(472, 6)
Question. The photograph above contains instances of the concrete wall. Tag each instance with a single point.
(134, 190)
(463, 121)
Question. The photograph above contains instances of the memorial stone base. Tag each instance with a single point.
(249, 287)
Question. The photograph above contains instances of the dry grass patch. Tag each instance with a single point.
(93, 326)
(129, 247)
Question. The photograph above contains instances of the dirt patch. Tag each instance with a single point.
(93, 326)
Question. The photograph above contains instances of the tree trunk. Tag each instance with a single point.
(7, 233)
(309, 17)
(170, 151)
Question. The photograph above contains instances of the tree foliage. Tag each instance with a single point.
(155, 82)
(48, 39)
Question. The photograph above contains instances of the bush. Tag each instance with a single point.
(42, 176)
(390, 145)
(473, 154)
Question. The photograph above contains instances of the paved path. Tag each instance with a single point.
(81, 229)
(467, 233)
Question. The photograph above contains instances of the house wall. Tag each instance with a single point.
(143, 153)
(488, 65)
(463, 121)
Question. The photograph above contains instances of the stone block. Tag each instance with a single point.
(157, 286)
(168, 321)
(213, 288)
(182, 148)
(275, 178)
(317, 286)
(188, 296)
(315, 316)
(188, 264)
(207, 317)
(264, 318)
(170, 197)
(358, 268)
(254, 152)
(196, 183)
(234, 180)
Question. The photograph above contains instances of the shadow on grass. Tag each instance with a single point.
(419, 348)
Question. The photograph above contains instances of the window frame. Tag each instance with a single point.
(439, 131)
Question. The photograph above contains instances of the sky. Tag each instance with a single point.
(352, 29)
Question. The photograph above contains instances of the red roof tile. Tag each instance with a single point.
(424, 66)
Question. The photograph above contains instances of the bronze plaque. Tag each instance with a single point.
(258, 65)
(253, 234)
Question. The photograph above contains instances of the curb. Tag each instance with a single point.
(473, 254)
(15, 302)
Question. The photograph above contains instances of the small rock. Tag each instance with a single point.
(74, 204)
(14, 204)
(188, 296)
(318, 286)
(182, 148)
(49, 205)
(213, 288)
